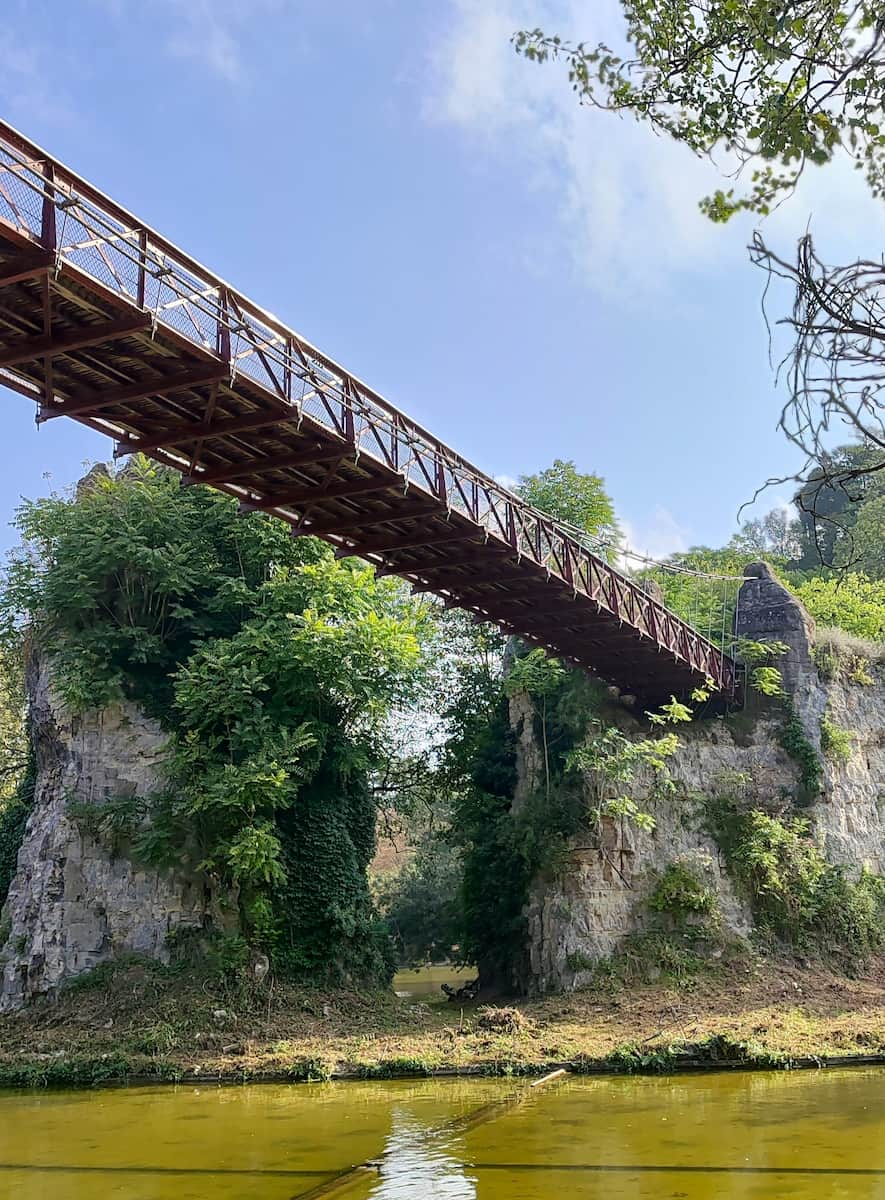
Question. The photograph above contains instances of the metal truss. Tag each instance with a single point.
(55, 226)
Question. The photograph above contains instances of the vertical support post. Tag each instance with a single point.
(48, 381)
(653, 621)
(222, 326)
(48, 235)
(287, 371)
(567, 569)
(615, 596)
(441, 479)
(49, 241)
(141, 287)
(347, 412)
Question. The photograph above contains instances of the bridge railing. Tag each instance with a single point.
(47, 203)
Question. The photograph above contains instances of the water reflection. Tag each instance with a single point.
(416, 1164)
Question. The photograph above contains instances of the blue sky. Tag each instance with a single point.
(525, 278)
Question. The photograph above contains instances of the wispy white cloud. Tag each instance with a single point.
(625, 202)
(657, 534)
(507, 481)
(207, 31)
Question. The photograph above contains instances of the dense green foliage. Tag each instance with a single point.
(797, 896)
(835, 742)
(681, 893)
(842, 656)
(496, 876)
(420, 902)
(274, 668)
(16, 756)
(852, 602)
(775, 85)
(15, 809)
(794, 740)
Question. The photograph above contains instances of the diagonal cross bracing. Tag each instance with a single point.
(230, 396)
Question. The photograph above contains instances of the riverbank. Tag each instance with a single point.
(140, 1021)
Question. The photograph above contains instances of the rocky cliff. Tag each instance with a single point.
(583, 913)
(75, 902)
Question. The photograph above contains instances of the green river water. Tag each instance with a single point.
(765, 1136)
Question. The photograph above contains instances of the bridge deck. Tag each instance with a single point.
(104, 321)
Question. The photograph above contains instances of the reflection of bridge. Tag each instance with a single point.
(104, 321)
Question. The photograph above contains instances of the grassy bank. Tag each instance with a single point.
(139, 1021)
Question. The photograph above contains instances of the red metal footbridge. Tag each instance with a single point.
(104, 321)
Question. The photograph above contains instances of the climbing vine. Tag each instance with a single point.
(15, 809)
(795, 741)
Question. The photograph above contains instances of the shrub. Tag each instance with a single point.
(835, 741)
(654, 955)
(797, 895)
(842, 656)
(682, 894)
(764, 677)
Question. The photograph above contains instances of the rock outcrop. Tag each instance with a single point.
(75, 903)
(583, 913)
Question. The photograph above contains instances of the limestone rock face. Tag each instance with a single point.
(73, 904)
(582, 914)
(849, 815)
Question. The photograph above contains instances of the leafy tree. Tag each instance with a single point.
(772, 85)
(868, 538)
(482, 760)
(125, 579)
(829, 502)
(776, 537)
(573, 497)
